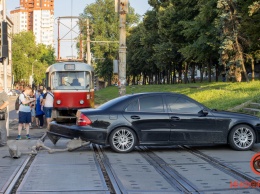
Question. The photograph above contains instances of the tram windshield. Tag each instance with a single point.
(70, 80)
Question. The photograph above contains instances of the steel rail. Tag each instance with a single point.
(172, 176)
(16, 178)
(221, 166)
(111, 181)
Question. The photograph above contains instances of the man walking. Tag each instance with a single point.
(48, 99)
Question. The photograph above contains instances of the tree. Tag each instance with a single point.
(104, 23)
(231, 47)
(202, 33)
(30, 58)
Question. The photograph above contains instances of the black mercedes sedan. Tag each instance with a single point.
(159, 119)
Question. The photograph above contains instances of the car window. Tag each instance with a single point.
(181, 105)
(151, 104)
(146, 104)
(133, 107)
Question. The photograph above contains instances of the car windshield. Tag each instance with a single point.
(70, 80)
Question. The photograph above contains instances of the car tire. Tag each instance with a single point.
(122, 140)
(242, 137)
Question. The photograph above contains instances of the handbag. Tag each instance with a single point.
(2, 115)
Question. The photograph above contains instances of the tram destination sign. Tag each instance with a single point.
(69, 66)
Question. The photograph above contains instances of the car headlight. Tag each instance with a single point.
(58, 101)
(81, 101)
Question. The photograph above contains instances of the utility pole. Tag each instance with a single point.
(4, 54)
(5, 58)
(121, 6)
(58, 38)
(88, 44)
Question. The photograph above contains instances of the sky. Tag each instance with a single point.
(74, 8)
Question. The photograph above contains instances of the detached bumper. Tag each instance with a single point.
(87, 133)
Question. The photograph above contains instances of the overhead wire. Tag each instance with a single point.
(71, 9)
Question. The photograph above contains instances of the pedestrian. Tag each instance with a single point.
(32, 105)
(36, 93)
(25, 112)
(3, 115)
(48, 99)
(39, 111)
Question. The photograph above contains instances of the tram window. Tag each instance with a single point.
(87, 80)
(69, 80)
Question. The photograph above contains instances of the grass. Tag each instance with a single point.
(218, 95)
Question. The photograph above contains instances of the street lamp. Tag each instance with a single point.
(32, 65)
(31, 77)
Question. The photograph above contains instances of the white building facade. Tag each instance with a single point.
(43, 27)
(36, 16)
(19, 18)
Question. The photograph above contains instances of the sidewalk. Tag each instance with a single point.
(35, 132)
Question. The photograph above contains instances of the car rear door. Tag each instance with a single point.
(189, 122)
(149, 118)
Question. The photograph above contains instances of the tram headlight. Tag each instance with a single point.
(58, 101)
(81, 101)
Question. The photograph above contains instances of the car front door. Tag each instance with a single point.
(149, 118)
(190, 122)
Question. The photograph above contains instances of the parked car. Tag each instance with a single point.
(14, 92)
(159, 119)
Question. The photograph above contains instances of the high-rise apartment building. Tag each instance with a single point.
(36, 16)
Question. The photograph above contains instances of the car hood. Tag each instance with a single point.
(233, 114)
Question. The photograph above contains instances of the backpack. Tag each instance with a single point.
(17, 103)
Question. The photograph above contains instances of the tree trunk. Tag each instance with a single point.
(253, 68)
(217, 72)
(186, 72)
(193, 73)
(241, 58)
(209, 68)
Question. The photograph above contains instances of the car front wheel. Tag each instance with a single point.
(242, 137)
(122, 140)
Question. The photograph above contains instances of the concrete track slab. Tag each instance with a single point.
(142, 178)
(243, 167)
(72, 172)
(129, 158)
(7, 173)
(228, 155)
(234, 191)
(135, 175)
(179, 156)
(204, 176)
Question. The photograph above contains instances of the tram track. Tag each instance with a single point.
(171, 175)
(240, 176)
(183, 184)
(106, 170)
(167, 170)
(17, 179)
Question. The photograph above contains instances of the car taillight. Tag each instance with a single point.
(83, 120)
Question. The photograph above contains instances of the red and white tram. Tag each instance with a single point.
(72, 84)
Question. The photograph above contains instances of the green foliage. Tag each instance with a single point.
(104, 24)
(254, 8)
(214, 95)
(179, 35)
(28, 58)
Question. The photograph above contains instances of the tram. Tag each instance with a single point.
(72, 84)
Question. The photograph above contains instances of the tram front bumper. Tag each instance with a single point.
(73, 131)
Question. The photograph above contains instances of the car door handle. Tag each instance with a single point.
(175, 118)
(135, 117)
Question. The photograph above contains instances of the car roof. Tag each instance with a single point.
(120, 101)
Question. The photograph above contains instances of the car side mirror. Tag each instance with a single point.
(205, 112)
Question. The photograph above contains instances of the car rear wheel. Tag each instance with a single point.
(242, 137)
(122, 140)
